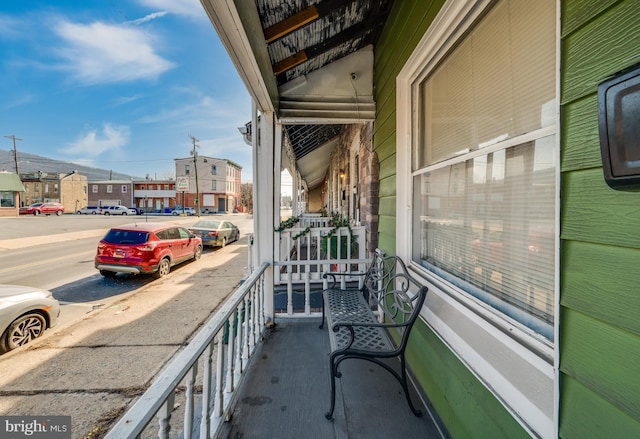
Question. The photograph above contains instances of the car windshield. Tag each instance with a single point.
(116, 236)
(207, 224)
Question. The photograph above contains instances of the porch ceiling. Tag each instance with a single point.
(309, 61)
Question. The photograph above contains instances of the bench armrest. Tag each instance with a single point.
(333, 276)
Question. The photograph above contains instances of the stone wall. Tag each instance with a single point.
(353, 177)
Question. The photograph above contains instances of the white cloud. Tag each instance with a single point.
(191, 8)
(195, 108)
(94, 143)
(19, 101)
(103, 53)
(10, 27)
(149, 17)
(122, 100)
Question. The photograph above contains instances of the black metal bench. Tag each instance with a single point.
(355, 331)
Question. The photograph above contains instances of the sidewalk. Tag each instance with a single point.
(93, 370)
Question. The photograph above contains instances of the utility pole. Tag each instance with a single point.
(194, 153)
(15, 151)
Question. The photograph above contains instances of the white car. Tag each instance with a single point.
(89, 210)
(118, 210)
(185, 210)
(25, 313)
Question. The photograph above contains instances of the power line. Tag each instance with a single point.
(195, 165)
(15, 150)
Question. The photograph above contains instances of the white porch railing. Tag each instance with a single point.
(303, 256)
(314, 220)
(298, 247)
(225, 346)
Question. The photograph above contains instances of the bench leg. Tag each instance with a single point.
(322, 322)
(333, 367)
(405, 387)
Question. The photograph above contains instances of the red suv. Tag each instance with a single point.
(146, 248)
(43, 208)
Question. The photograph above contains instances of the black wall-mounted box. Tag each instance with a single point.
(619, 124)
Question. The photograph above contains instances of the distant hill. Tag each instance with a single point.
(33, 163)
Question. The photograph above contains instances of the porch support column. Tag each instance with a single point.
(295, 194)
(264, 199)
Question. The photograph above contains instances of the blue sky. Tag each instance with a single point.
(119, 84)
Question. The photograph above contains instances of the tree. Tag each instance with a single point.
(246, 197)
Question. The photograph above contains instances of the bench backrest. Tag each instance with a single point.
(397, 295)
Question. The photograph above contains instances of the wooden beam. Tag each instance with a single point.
(289, 24)
(289, 63)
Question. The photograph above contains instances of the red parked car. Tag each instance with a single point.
(43, 208)
(146, 248)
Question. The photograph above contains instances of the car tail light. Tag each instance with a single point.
(147, 247)
(212, 233)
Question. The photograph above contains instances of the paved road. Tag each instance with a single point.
(94, 368)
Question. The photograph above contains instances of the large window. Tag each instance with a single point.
(484, 164)
(7, 199)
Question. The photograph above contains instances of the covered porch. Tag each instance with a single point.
(287, 393)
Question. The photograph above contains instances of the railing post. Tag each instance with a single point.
(218, 401)
(230, 352)
(239, 331)
(250, 322)
(289, 290)
(164, 417)
(260, 286)
(307, 292)
(245, 336)
(188, 411)
(205, 423)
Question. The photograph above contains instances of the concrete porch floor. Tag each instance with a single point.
(286, 393)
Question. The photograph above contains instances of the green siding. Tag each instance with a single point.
(594, 212)
(467, 408)
(580, 141)
(600, 253)
(607, 44)
(578, 12)
(612, 357)
(585, 277)
(586, 415)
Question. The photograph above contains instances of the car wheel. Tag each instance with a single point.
(125, 213)
(107, 273)
(79, 213)
(163, 268)
(59, 213)
(224, 242)
(198, 253)
(93, 213)
(36, 212)
(23, 330)
(107, 213)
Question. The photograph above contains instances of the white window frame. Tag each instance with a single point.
(499, 352)
(109, 188)
(94, 188)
